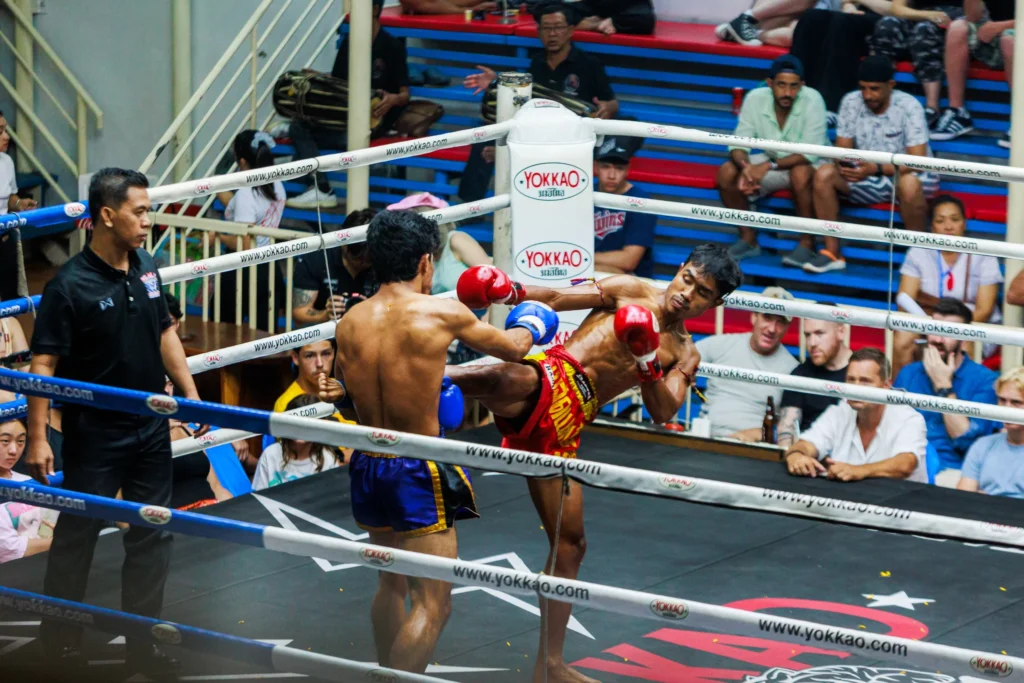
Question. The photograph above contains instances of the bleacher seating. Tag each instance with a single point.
(682, 75)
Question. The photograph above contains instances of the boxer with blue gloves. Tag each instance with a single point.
(392, 350)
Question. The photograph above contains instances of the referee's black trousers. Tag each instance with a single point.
(101, 456)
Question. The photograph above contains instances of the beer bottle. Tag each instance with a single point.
(768, 426)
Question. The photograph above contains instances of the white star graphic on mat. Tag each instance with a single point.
(900, 599)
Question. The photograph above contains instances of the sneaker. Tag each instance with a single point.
(799, 257)
(722, 31)
(932, 117)
(831, 119)
(824, 262)
(743, 30)
(742, 250)
(952, 124)
(312, 198)
(1004, 141)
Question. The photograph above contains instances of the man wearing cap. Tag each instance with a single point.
(736, 408)
(622, 239)
(789, 111)
(878, 118)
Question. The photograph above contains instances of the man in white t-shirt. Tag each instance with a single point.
(735, 408)
(9, 201)
(857, 440)
(878, 118)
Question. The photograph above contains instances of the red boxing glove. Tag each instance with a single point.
(481, 286)
(637, 328)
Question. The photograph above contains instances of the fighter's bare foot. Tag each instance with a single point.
(560, 672)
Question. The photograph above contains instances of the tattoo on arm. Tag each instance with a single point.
(302, 297)
(789, 421)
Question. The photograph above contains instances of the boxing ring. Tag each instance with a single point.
(780, 577)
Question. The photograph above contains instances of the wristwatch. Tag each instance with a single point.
(773, 165)
(944, 392)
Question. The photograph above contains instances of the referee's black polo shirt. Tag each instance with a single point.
(580, 75)
(104, 324)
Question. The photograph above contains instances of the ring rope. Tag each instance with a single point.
(623, 601)
(279, 658)
(220, 437)
(524, 463)
(812, 226)
(970, 169)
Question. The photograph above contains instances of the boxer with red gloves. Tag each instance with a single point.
(634, 335)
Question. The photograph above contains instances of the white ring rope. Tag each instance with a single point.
(811, 226)
(329, 162)
(307, 245)
(893, 397)
(268, 346)
(219, 437)
(643, 605)
(633, 480)
(970, 169)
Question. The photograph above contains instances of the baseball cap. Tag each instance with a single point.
(787, 64)
(415, 201)
(774, 292)
(617, 149)
(875, 69)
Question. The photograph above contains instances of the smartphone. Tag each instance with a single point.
(848, 164)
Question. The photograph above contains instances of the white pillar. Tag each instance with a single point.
(1014, 315)
(552, 198)
(181, 77)
(360, 43)
(24, 85)
(514, 90)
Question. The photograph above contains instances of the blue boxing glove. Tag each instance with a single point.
(540, 319)
(451, 407)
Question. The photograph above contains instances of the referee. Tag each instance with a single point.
(103, 319)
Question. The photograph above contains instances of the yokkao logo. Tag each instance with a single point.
(833, 228)
(638, 202)
(378, 557)
(154, 514)
(74, 209)
(677, 483)
(657, 131)
(840, 314)
(553, 260)
(670, 609)
(551, 181)
(1001, 529)
(212, 360)
(198, 268)
(383, 438)
(202, 188)
(168, 634)
(991, 666)
(162, 405)
(342, 236)
(833, 387)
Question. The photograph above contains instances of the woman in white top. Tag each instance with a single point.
(260, 206)
(290, 459)
(928, 275)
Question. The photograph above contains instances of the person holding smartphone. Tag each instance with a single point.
(326, 284)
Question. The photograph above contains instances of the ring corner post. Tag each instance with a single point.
(1013, 356)
(357, 179)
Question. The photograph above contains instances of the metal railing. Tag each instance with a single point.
(28, 42)
(315, 27)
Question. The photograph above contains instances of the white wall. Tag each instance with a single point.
(701, 11)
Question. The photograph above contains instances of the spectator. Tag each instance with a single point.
(992, 465)
(445, 6)
(257, 206)
(856, 440)
(1015, 293)
(311, 361)
(623, 240)
(561, 66)
(21, 526)
(988, 39)
(916, 30)
(928, 275)
(9, 201)
(786, 110)
(616, 16)
(881, 119)
(389, 75)
(770, 21)
(459, 250)
(12, 341)
(736, 409)
(325, 284)
(291, 459)
(827, 358)
(831, 44)
(947, 372)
